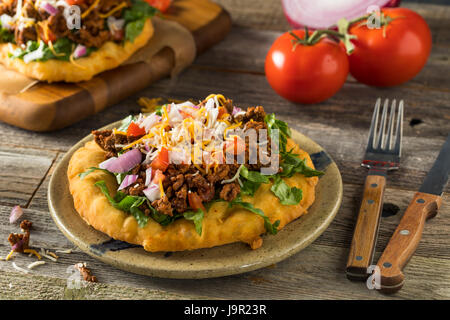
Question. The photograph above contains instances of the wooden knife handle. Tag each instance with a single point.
(405, 240)
(366, 229)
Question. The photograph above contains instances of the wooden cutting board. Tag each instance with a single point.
(47, 107)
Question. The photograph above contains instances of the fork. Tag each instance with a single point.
(382, 155)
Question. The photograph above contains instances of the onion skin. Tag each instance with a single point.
(299, 25)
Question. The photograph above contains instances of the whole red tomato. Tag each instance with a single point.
(392, 54)
(306, 73)
(161, 5)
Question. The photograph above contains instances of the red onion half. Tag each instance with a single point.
(322, 14)
(124, 163)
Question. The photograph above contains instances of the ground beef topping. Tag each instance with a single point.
(181, 180)
(92, 34)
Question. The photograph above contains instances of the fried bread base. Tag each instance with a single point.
(221, 224)
(109, 56)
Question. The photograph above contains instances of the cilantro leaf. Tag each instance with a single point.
(249, 188)
(197, 218)
(135, 18)
(286, 194)
(133, 29)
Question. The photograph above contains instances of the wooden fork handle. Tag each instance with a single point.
(405, 240)
(366, 229)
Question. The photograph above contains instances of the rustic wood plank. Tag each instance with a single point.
(18, 286)
(22, 172)
(314, 273)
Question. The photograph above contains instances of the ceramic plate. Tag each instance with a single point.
(202, 263)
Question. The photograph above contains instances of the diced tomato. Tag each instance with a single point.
(158, 176)
(195, 202)
(222, 112)
(161, 5)
(161, 162)
(75, 2)
(235, 146)
(134, 130)
(185, 114)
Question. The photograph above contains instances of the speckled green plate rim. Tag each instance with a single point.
(219, 261)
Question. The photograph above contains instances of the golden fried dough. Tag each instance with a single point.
(221, 224)
(109, 56)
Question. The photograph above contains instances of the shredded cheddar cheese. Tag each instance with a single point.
(117, 8)
(86, 13)
(161, 189)
(34, 252)
(9, 256)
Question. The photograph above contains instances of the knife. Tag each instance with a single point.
(406, 237)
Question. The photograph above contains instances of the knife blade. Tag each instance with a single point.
(406, 237)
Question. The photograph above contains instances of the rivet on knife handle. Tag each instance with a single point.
(366, 229)
(405, 240)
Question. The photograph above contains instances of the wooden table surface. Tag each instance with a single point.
(235, 68)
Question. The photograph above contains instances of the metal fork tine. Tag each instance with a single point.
(399, 131)
(373, 124)
(382, 133)
(391, 125)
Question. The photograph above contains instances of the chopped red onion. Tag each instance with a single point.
(148, 176)
(128, 180)
(16, 213)
(152, 192)
(18, 245)
(150, 121)
(79, 51)
(124, 163)
(51, 10)
(326, 13)
(236, 110)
